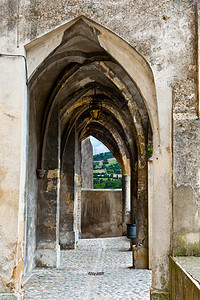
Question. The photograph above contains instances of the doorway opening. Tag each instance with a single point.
(101, 196)
(99, 168)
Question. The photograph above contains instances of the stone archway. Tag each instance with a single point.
(65, 66)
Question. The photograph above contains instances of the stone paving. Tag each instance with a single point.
(97, 269)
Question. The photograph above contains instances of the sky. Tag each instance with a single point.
(98, 147)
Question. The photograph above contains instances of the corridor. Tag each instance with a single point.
(97, 269)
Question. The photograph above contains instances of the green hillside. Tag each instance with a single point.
(106, 172)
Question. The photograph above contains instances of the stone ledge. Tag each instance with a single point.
(182, 283)
(190, 264)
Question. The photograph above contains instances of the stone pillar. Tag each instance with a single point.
(87, 164)
(126, 192)
(150, 200)
(13, 130)
(48, 249)
(140, 252)
(31, 192)
(77, 189)
(67, 234)
(70, 206)
(162, 194)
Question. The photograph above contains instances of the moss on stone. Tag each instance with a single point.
(159, 294)
(163, 280)
(162, 277)
(183, 249)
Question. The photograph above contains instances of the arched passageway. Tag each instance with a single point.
(85, 59)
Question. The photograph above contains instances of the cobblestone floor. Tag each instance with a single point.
(77, 279)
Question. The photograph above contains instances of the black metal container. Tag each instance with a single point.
(131, 231)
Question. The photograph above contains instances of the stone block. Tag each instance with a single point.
(140, 258)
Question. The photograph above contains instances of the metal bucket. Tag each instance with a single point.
(131, 231)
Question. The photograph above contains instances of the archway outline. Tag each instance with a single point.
(139, 71)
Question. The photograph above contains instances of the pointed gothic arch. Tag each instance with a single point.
(64, 66)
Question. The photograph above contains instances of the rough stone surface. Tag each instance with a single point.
(140, 257)
(164, 33)
(186, 187)
(66, 225)
(101, 213)
(66, 211)
(10, 170)
(73, 279)
(159, 295)
(87, 164)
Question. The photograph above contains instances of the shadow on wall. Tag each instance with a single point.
(101, 213)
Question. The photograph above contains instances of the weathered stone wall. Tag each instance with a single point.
(186, 138)
(48, 194)
(11, 171)
(67, 211)
(136, 22)
(101, 213)
(186, 207)
(163, 32)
